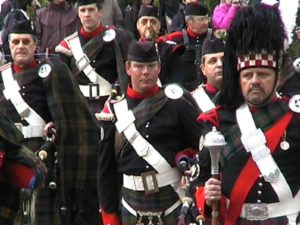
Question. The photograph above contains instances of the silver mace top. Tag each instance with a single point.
(215, 142)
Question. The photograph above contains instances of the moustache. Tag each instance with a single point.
(255, 89)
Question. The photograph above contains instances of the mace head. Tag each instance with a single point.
(214, 138)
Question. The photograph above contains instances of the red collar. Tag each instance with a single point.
(17, 69)
(94, 33)
(136, 95)
(210, 88)
(193, 34)
(143, 39)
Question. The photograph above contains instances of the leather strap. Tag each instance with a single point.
(254, 141)
(250, 172)
(11, 92)
(203, 100)
(83, 64)
(125, 124)
(166, 178)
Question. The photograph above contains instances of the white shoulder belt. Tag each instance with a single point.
(99, 86)
(203, 100)
(11, 92)
(125, 124)
(254, 141)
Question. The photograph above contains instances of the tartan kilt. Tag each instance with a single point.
(157, 202)
(9, 204)
(47, 212)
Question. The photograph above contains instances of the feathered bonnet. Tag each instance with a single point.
(255, 39)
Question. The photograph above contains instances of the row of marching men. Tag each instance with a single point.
(129, 164)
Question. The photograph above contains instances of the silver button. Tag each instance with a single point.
(259, 192)
(147, 136)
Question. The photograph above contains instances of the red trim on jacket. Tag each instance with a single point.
(85, 34)
(211, 117)
(200, 200)
(110, 218)
(136, 95)
(211, 89)
(171, 36)
(19, 175)
(94, 33)
(195, 35)
(17, 69)
(250, 172)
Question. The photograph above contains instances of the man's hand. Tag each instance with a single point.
(50, 131)
(212, 191)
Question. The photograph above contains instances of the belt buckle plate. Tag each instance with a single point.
(150, 182)
(255, 212)
(91, 87)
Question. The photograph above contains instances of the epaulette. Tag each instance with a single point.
(63, 46)
(106, 114)
(61, 49)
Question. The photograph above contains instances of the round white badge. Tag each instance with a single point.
(109, 35)
(44, 70)
(173, 91)
(294, 103)
(284, 145)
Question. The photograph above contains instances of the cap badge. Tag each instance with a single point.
(109, 35)
(173, 91)
(44, 70)
(294, 103)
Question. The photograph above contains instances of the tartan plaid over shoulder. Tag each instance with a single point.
(77, 133)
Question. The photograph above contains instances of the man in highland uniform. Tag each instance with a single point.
(93, 53)
(259, 165)
(41, 97)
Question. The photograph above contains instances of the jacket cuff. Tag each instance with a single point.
(110, 218)
(203, 209)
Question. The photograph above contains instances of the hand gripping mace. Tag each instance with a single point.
(215, 142)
